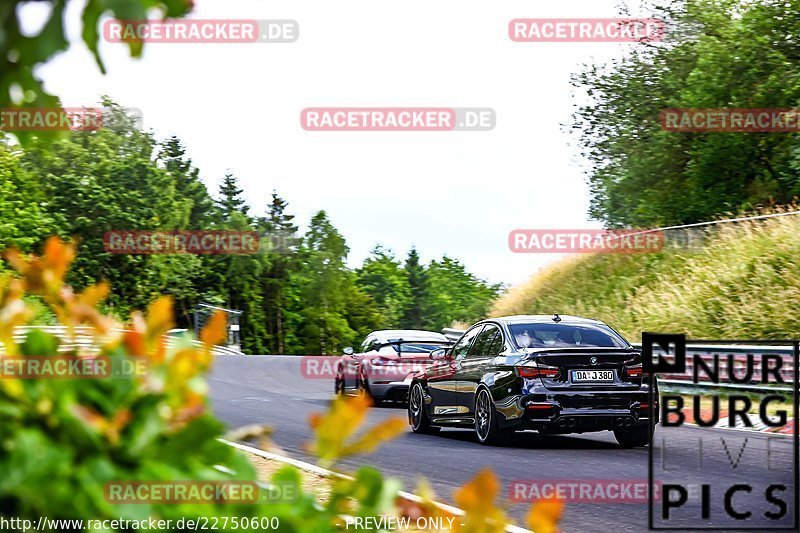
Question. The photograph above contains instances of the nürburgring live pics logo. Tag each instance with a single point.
(724, 480)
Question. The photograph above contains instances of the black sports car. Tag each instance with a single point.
(548, 373)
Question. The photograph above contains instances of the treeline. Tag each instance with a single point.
(716, 54)
(297, 294)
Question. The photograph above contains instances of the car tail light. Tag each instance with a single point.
(537, 372)
(633, 367)
(540, 406)
(539, 410)
(634, 371)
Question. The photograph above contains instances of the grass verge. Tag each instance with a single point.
(743, 283)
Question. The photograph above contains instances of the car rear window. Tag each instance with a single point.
(565, 336)
(418, 347)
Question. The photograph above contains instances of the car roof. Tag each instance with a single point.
(408, 335)
(530, 319)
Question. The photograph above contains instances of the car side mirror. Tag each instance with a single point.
(349, 350)
(438, 354)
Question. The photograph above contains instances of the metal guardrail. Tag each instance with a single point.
(85, 341)
(738, 357)
(734, 358)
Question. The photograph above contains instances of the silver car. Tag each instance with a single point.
(385, 363)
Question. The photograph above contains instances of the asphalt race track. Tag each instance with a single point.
(271, 390)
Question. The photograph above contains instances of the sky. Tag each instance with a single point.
(237, 107)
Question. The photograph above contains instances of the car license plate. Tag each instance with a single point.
(592, 375)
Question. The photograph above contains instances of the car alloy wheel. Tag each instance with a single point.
(417, 415)
(483, 416)
(415, 406)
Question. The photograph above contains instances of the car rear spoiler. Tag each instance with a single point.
(579, 350)
(399, 343)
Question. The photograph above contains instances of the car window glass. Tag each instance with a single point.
(417, 347)
(483, 342)
(365, 344)
(462, 346)
(497, 345)
(544, 335)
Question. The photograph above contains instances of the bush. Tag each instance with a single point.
(63, 440)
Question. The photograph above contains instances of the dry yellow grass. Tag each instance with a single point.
(318, 485)
(745, 283)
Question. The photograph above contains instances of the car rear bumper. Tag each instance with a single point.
(580, 412)
(391, 390)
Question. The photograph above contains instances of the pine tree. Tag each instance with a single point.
(417, 280)
(322, 282)
(231, 200)
(280, 231)
(385, 280)
(188, 185)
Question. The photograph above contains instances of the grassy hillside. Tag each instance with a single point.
(744, 283)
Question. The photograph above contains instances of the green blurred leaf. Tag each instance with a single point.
(39, 343)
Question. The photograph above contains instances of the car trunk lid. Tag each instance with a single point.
(588, 368)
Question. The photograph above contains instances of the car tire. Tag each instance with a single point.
(486, 427)
(338, 384)
(417, 416)
(363, 388)
(634, 436)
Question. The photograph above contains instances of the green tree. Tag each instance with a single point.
(239, 276)
(199, 283)
(382, 277)
(417, 282)
(193, 193)
(94, 182)
(279, 240)
(321, 286)
(455, 295)
(20, 54)
(717, 53)
(363, 315)
(230, 197)
(24, 223)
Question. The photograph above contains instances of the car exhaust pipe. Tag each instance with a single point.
(618, 422)
(572, 422)
(562, 423)
(628, 421)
